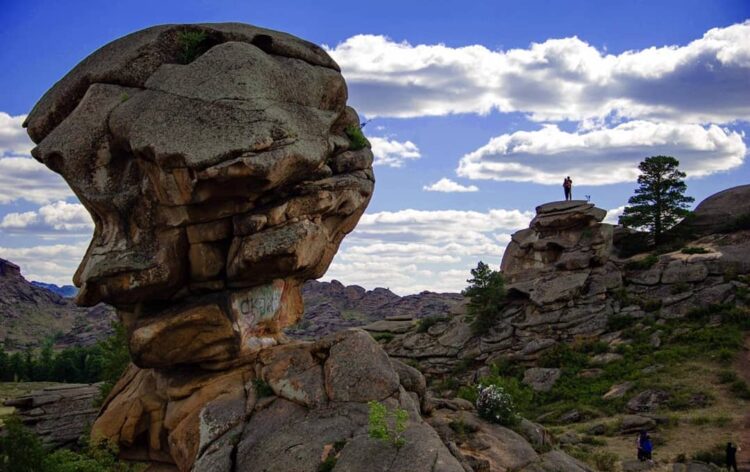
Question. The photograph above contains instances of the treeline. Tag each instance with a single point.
(103, 361)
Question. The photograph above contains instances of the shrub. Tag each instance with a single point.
(605, 461)
(193, 44)
(680, 287)
(727, 376)
(740, 389)
(262, 389)
(563, 356)
(385, 427)
(495, 405)
(115, 359)
(642, 264)
(427, 323)
(384, 337)
(649, 305)
(486, 293)
(620, 322)
(716, 455)
(694, 250)
(20, 449)
(357, 139)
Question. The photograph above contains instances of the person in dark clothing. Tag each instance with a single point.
(731, 457)
(568, 188)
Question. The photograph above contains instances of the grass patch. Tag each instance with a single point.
(192, 45)
(262, 388)
(357, 139)
(642, 264)
(382, 337)
(694, 250)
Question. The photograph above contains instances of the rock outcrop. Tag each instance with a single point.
(58, 415)
(720, 212)
(217, 164)
(565, 282)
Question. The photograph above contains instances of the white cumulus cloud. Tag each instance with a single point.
(393, 153)
(558, 79)
(54, 263)
(13, 138)
(413, 250)
(602, 156)
(448, 186)
(55, 218)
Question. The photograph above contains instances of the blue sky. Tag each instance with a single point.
(478, 109)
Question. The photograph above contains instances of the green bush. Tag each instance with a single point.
(605, 461)
(496, 405)
(115, 359)
(387, 427)
(727, 376)
(382, 337)
(694, 250)
(620, 322)
(642, 264)
(357, 139)
(192, 44)
(262, 388)
(426, 323)
(22, 451)
(563, 356)
(486, 294)
(716, 455)
(740, 389)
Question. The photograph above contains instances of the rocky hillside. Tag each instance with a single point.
(30, 314)
(332, 306)
(596, 346)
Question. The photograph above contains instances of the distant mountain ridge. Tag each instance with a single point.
(67, 291)
(30, 314)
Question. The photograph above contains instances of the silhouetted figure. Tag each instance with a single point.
(568, 187)
(731, 457)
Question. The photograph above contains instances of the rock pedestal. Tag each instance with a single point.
(217, 162)
(553, 259)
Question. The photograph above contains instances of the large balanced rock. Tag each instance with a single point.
(216, 163)
(720, 211)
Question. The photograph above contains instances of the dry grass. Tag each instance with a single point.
(10, 390)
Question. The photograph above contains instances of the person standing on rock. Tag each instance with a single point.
(568, 188)
(732, 456)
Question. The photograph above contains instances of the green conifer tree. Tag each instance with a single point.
(659, 201)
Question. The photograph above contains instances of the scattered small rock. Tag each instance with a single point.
(647, 401)
(618, 391)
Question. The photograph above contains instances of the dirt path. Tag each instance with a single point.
(743, 368)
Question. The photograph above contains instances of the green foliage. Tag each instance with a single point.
(642, 264)
(679, 287)
(486, 294)
(329, 462)
(357, 139)
(22, 451)
(634, 243)
(649, 305)
(740, 389)
(563, 356)
(262, 389)
(104, 361)
(727, 376)
(496, 405)
(716, 455)
(521, 394)
(193, 44)
(387, 427)
(620, 322)
(694, 250)
(659, 201)
(384, 337)
(605, 461)
(427, 323)
(115, 359)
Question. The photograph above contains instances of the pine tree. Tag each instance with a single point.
(486, 294)
(659, 201)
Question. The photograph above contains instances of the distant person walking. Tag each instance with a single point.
(732, 456)
(568, 187)
(644, 446)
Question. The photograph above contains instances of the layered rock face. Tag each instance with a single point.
(217, 165)
(215, 162)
